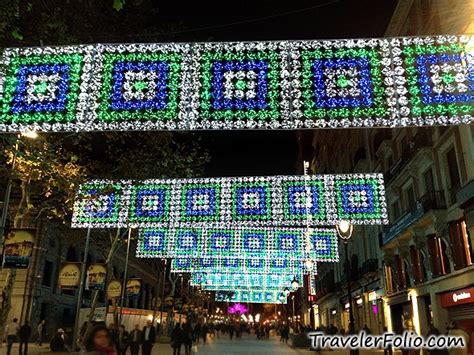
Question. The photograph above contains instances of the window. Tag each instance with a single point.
(396, 210)
(429, 181)
(416, 263)
(438, 257)
(460, 245)
(410, 198)
(452, 161)
(48, 273)
(404, 145)
(389, 279)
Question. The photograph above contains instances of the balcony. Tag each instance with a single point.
(421, 140)
(433, 200)
(325, 285)
(369, 268)
(465, 195)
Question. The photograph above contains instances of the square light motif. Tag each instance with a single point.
(360, 199)
(220, 241)
(251, 201)
(150, 203)
(440, 79)
(343, 83)
(153, 243)
(139, 86)
(287, 243)
(183, 264)
(200, 202)
(242, 85)
(187, 242)
(42, 89)
(304, 198)
(254, 242)
(99, 204)
(323, 246)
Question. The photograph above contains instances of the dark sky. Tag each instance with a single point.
(268, 152)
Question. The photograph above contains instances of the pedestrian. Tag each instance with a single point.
(57, 343)
(148, 338)
(388, 350)
(176, 339)
(187, 338)
(99, 341)
(24, 333)
(454, 330)
(231, 331)
(41, 329)
(197, 332)
(122, 340)
(366, 329)
(11, 334)
(204, 331)
(435, 332)
(135, 340)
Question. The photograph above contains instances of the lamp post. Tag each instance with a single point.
(344, 230)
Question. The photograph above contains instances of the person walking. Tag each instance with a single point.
(176, 339)
(41, 330)
(205, 330)
(24, 333)
(99, 342)
(187, 338)
(122, 340)
(11, 333)
(197, 333)
(135, 340)
(148, 338)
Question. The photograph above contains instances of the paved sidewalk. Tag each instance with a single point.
(248, 345)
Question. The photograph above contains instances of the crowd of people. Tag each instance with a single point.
(22, 334)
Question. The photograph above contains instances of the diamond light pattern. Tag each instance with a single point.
(243, 202)
(392, 82)
(252, 297)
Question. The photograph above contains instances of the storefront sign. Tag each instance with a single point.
(96, 274)
(464, 296)
(372, 296)
(133, 287)
(18, 248)
(114, 290)
(69, 276)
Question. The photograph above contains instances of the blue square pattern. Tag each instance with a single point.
(150, 203)
(184, 263)
(100, 205)
(297, 196)
(322, 244)
(257, 297)
(251, 201)
(287, 243)
(254, 242)
(155, 241)
(255, 264)
(269, 297)
(244, 296)
(187, 241)
(139, 85)
(239, 85)
(41, 88)
(342, 83)
(199, 278)
(279, 263)
(357, 198)
(231, 263)
(207, 262)
(221, 241)
(201, 201)
(443, 80)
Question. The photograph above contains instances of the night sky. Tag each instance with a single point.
(268, 152)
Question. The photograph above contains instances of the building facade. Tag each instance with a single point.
(419, 269)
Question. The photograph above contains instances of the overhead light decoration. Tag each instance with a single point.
(239, 248)
(240, 280)
(389, 82)
(263, 296)
(234, 202)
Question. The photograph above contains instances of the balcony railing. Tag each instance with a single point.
(432, 200)
(369, 266)
(421, 140)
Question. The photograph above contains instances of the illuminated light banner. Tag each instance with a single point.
(283, 280)
(265, 296)
(390, 82)
(233, 202)
(245, 288)
(245, 266)
(234, 248)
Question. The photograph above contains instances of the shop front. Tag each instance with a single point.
(401, 313)
(460, 307)
(375, 315)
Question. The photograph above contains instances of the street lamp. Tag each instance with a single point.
(295, 284)
(344, 230)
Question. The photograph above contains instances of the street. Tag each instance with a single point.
(248, 345)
